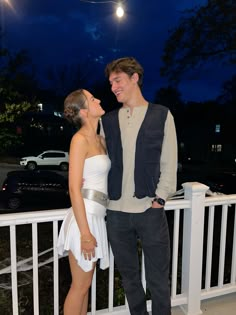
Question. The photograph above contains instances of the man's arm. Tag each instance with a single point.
(168, 161)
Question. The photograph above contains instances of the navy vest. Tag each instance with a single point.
(147, 155)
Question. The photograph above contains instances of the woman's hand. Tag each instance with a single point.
(88, 244)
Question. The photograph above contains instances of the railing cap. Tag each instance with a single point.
(195, 187)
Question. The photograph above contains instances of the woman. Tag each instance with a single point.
(83, 231)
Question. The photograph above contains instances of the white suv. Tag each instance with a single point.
(47, 158)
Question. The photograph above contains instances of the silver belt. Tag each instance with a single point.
(95, 195)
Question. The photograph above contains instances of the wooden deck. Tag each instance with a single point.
(222, 305)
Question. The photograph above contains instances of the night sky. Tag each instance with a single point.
(71, 32)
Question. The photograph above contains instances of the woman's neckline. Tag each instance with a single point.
(95, 156)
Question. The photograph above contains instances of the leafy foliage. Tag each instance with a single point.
(203, 34)
(14, 111)
(17, 95)
(228, 94)
(17, 81)
(169, 96)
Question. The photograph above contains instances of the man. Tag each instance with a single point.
(141, 143)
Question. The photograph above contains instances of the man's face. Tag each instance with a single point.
(122, 85)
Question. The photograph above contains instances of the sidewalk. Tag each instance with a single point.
(8, 160)
(10, 166)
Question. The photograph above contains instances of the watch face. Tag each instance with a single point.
(161, 201)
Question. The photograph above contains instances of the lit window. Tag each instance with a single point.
(216, 148)
(217, 128)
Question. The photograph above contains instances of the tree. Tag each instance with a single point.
(203, 34)
(17, 79)
(14, 111)
(228, 94)
(170, 97)
(9, 137)
(16, 97)
(65, 78)
(17, 94)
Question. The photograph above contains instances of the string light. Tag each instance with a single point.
(119, 10)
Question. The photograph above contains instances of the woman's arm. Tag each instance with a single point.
(78, 154)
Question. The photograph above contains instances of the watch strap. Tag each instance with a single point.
(160, 201)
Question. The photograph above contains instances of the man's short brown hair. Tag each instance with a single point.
(128, 65)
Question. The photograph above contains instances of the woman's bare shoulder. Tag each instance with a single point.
(79, 142)
(79, 138)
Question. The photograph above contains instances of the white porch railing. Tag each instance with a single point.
(203, 266)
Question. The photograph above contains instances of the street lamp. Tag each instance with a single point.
(119, 9)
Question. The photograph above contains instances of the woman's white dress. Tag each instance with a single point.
(95, 173)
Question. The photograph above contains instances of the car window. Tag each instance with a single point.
(40, 183)
(53, 155)
(47, 155)
(28, 184)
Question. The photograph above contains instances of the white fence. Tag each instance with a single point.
(203, 264)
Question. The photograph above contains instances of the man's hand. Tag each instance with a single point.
(155, 204)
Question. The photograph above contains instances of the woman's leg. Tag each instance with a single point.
(85, 305)
(76, 302)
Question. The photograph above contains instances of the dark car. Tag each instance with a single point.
(39, 188)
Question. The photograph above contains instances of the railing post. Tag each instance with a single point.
(193, 228)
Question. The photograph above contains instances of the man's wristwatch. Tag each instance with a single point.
(159, 200)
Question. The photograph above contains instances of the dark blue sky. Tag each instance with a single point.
(74, 32)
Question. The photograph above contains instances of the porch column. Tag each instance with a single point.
(193, 227)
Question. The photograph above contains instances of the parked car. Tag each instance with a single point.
(47, 158)
(37, 188)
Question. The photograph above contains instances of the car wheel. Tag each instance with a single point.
(31, 166)
(64, 166)
(13, 203)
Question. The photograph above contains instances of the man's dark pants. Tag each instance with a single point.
(152, 229)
